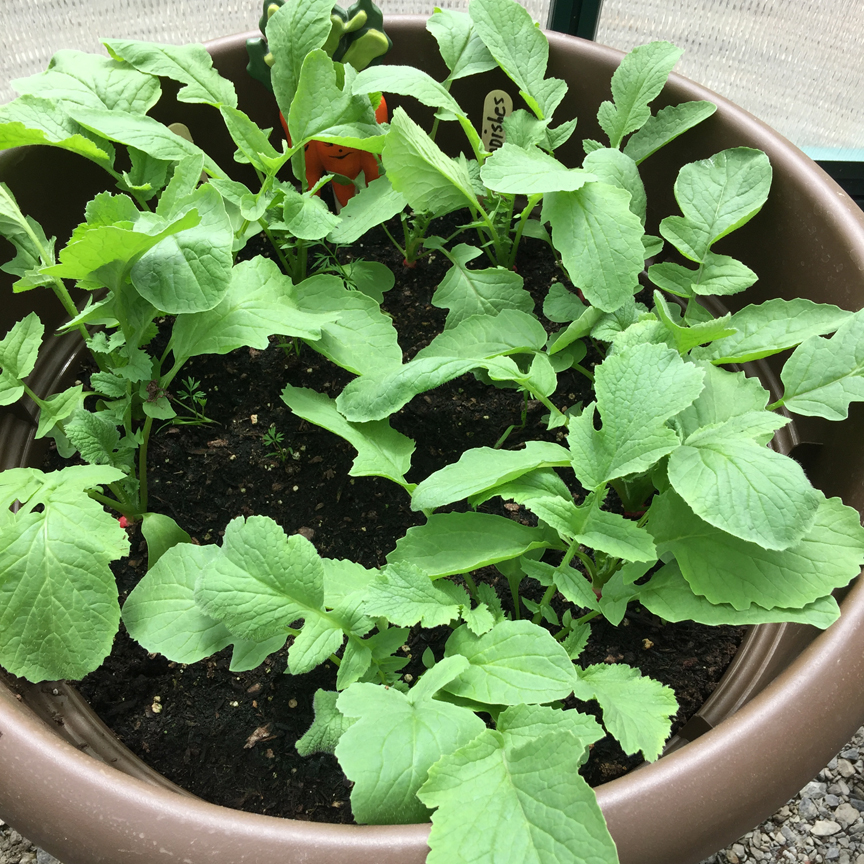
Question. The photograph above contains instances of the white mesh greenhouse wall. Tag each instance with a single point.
(796, 64)
(799, 66)
(32, 30)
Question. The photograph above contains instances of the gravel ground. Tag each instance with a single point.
(824, 824)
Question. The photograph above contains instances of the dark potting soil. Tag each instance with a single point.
(228, 737)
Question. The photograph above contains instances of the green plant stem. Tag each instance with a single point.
(286, 267)
(471, 585)
(533, 201)
(514, 581)
(586, 372)
(401, 251)
(548, 594)
(142, 465)
(57, 286)
(588, 616)
(504, 437)
(122, 509)
(589, 565)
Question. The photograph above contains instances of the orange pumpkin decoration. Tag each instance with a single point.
(324, 158)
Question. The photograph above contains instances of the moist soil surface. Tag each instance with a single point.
(229, 737)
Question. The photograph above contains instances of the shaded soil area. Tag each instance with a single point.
(228, 737)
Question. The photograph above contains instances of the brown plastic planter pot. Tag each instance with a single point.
(788, 705)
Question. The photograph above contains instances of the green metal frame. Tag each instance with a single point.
(576, 17)
(850, 175)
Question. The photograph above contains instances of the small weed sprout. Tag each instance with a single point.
(272, 439)
(194, 400)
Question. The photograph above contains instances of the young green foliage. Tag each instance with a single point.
(742, 536)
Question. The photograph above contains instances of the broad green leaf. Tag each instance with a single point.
(771, 327)
(474, 343)
(823, 376)
(718, 274)
(539, 380)
(637, 391)
(561, 305)
(19, 350)
(381, 450)
(488, 291)
(612, 166)
(161, 533)
(524, 723)
(405, 595)
(619, 591)
(451, 543)
(536, 484)
(479, 620)
(356, 660)
(34, 120)
(725, 395)
(498, 801)
(260, 303)
(569, 581)
(577, 639)
(293, 31)
(96, 438)
(247, 655)
(461, 47)
(521, 50)
(362, 339)
(372, 278)
(716, 196)
(263, 580)
(431, 181)
(102, 255)
(161, 613)
(600, 241)
(57, 408)
(320, 638)
(327, 728)
(143, 133)
(406, 81)
(252, 142)
(510, 332)
(609, 532)
(725, 569)
(307, 216)
(78, 78)
(32, 246)
(483, 468)
(741, 486)
(515, 662)
(343, 578)
(395, 740)
(326, 107)
(635, 83)
(669, 596)
(529, 171)
(611, 325)
(371, 206)
(191, 65)
(190, 271)
(636, 709)
(665, 126)
(58, 598)
(146, 175)
(688, 337)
